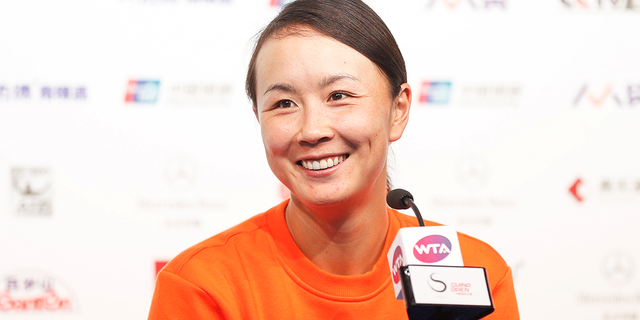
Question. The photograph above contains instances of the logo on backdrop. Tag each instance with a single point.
(618, 268)
(34, 292)
(621, 5)
(435, 92)
(432, 249)
(608, 95)
(473, 172)
(620, 189)
(183, 206)
(41, 93)
(398, 261)
(180, 172)
(471, 4)
(175, 1)
(609, 190)
(142, 91)
(490, 95)
(278, 3)
(159, 265)
(481, 95)
(199, 94)
(31, 190)
(574, 190)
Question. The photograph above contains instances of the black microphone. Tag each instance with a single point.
(428, 272)
(402, 199)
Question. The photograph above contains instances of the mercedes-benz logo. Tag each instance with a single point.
(473, 172)
(181, 172)
(618, 268)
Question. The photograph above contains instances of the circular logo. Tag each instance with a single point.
(473, 172)
(431, 249)
(180, 172)
(618, 268)
(398, 262)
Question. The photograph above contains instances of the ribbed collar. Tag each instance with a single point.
(319, 282)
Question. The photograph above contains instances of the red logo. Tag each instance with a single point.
(431, 249)
(596, 99)
(574, 190)
(160, 265)
(398, 262)
(461, 288)
(33, 292)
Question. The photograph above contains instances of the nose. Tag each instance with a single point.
(315, 126)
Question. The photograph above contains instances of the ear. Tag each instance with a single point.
(402, 104)
(255, 112)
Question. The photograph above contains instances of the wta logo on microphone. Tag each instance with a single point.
(415, 246)
(397, 263)
(431, 249)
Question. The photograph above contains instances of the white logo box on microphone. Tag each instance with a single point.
(462, 286)
(434, 246)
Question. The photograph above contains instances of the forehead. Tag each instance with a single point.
(302, 45)
(307, 54)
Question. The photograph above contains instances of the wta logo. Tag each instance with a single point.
(398, 262)
(432, 249)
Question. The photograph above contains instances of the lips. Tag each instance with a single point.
(324, 163)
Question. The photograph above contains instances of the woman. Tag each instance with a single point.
(328, 86)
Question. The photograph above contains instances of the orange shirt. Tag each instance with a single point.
(255, 270)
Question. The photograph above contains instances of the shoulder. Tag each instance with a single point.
(223, 250)
(477, 253)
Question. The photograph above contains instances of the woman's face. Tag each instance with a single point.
(326, 117)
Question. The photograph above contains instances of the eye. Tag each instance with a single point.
(338, 96)
(284, 104)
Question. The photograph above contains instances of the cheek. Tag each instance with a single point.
(276, 137)
(365, 127)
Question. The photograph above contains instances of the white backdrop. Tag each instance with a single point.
(125, 137)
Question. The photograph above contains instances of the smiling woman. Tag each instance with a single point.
(328, 87)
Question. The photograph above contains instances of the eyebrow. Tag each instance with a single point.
(329, 80)
(323, 83)
(280, 87)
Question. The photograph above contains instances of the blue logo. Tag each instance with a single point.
(435, 92)
(142, 91)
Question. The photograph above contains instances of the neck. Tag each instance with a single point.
(341, 239)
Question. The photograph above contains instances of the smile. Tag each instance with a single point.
(322, 164)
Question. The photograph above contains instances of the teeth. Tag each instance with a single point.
(322, 164)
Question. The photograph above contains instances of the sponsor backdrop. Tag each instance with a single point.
(125, 137)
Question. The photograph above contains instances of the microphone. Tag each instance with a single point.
(428, 272)
(402, 199)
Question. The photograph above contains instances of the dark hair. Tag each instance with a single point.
(351, 22)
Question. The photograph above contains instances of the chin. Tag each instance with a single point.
(325, 199)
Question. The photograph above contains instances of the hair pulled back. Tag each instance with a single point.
(351, 22)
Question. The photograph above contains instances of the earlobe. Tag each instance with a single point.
(401, 116)
(255, 112)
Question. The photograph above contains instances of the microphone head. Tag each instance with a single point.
(396, 198)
